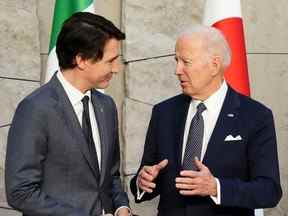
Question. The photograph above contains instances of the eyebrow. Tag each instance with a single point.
(113, 58)
(183, 58)
(187, 59)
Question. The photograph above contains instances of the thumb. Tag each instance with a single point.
(199, 164)
(162, 164)
(156, 168)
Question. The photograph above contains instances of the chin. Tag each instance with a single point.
(102, 85)
(187, 92)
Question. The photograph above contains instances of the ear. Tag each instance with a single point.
(80, 62)
(216, 65)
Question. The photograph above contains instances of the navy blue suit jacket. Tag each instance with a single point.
(247, 169)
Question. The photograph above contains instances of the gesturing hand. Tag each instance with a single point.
(148, 174)
(201, 183)
(123, 212)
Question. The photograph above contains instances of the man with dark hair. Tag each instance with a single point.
(63, 146)
(85, 34)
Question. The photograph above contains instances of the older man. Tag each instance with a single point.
(209, 151)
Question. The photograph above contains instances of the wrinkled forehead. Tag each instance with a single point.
(189, 43)
(192, 37)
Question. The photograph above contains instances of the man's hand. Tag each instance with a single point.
(201, 183)
(148, 174)
(123, 212)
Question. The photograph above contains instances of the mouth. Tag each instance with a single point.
(108, 78)
(182, 82)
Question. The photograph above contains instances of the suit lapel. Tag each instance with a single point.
(180, 120)
(65, 109)
(101, 123)
(225, 122)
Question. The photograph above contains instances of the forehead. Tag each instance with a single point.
(111, 49)
(112, 45)
(189, 45)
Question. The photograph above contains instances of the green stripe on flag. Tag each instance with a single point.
(63, 10)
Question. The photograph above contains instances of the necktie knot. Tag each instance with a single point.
(85, 100)
(201, 108)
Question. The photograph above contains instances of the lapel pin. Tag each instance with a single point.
(101, 110)
(230, 115)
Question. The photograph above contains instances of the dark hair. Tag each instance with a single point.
(85, 34)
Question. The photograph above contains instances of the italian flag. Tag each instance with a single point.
(226, 16)
(63, 10)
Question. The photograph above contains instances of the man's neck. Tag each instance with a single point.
(75, 80)
(214, 88)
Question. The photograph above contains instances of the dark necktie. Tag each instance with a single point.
(87, 130)
(195, 139)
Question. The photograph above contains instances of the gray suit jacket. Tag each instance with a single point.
(49, 170)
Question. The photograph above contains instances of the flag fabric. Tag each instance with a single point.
(63, 10)
(226, 16)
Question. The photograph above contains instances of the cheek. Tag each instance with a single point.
(196, 80)
(96, 73)
(102, 70)
(191, 74)
(107, 68)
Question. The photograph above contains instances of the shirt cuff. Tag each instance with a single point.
(217, 199)
(121, 207)
(139, 193)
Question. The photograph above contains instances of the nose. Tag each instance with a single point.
(179, 68)
(116, 67)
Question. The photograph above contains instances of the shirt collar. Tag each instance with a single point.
(75, 96)
(214, 102)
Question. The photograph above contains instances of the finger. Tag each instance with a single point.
(192, 181)
(145, 175)
(149, 170)
(146, 189)
(185, 180)
(156, 168)
(189, 173)
(199, 164)
(189, 192)
(147, 184)
(162, 164)
(186, 186)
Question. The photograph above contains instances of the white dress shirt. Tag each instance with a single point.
(210, 115)
(75, 96)
(213, 107)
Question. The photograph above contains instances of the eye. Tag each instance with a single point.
(187, 62)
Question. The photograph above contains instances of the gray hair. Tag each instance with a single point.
(214, 39)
